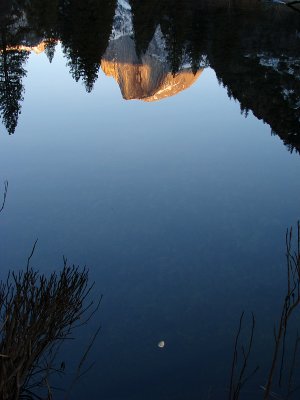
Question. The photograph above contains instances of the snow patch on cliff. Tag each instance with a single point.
(122, 25)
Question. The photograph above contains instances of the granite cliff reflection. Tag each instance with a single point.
(148, 75)
(156, 50)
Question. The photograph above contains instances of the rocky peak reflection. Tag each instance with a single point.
(147, 76)
(157, 49)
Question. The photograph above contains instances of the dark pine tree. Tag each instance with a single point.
(86, 29)
(11, 88)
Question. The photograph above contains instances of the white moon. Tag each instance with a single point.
(161, 344)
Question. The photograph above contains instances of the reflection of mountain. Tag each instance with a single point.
(147, 77)
(157, 49)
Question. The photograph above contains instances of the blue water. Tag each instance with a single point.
(179, 209)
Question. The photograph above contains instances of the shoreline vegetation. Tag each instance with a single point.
(281, 380)
(38, 313)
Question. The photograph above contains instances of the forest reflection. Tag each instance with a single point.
(157, 49)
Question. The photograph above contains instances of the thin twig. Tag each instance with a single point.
(31, 254)
(4, 195)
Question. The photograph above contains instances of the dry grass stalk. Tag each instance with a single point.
(239, 375)
(36, 314)
(291, 302)
(4, 195)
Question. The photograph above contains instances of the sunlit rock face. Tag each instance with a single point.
(171, 85)
(146, 77)
(39, 48)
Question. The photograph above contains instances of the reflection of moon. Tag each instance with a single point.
(161, 344)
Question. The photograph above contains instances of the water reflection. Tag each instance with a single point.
(157, 49)
(38, 313)
(12, 72)
(281, 376)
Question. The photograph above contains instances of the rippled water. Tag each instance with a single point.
(177, 200)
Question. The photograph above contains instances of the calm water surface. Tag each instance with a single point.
(178, 204)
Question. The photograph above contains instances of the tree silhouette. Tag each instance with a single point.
(85, 32)
(11, 87)
(50, 45)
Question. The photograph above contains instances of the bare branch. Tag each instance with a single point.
(37, 314)
(4, 195)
